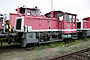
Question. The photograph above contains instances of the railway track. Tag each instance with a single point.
(12, 48)
(79, 55)
(17, 47)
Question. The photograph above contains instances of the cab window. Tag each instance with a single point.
(73, 19)
(22, 10)
(68, 18)
(85, 19)
(49, 15)
(35, 12)
(60, 16)
(28, 12)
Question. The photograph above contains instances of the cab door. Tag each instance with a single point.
(59, 16)
(68, 23)
(74, 23)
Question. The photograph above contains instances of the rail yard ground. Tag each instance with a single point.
(42, 51)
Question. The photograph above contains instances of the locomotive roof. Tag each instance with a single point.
(86, 18)
(70, 13)
(62, 12)
(31, 8)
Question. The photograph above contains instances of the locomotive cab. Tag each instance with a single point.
(84, 31)
(28, 11)
(66, 23)
(25, 16)
(86, 23)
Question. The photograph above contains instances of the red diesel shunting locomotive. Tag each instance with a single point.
(32, 27)
(83, 28)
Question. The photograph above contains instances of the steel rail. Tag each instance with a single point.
(74, 53)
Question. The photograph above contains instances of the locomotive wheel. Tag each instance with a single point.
(23, 43)
(83, 36)
(9, 41)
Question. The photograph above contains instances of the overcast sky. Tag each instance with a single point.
(79, 7)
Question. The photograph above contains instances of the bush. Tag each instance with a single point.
(52, 45)
(86, 39)
(61, 44)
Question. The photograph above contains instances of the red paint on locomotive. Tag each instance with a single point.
(39, 22)
(86, 23)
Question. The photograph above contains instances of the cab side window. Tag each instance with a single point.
(28, 12)
(60, 16)
(49, 15)
(22, 10)
(85, 19)
(73, 19)
(35, 12)
(68, 18)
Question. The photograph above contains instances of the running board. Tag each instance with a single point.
(51, 41)
(74, 37)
